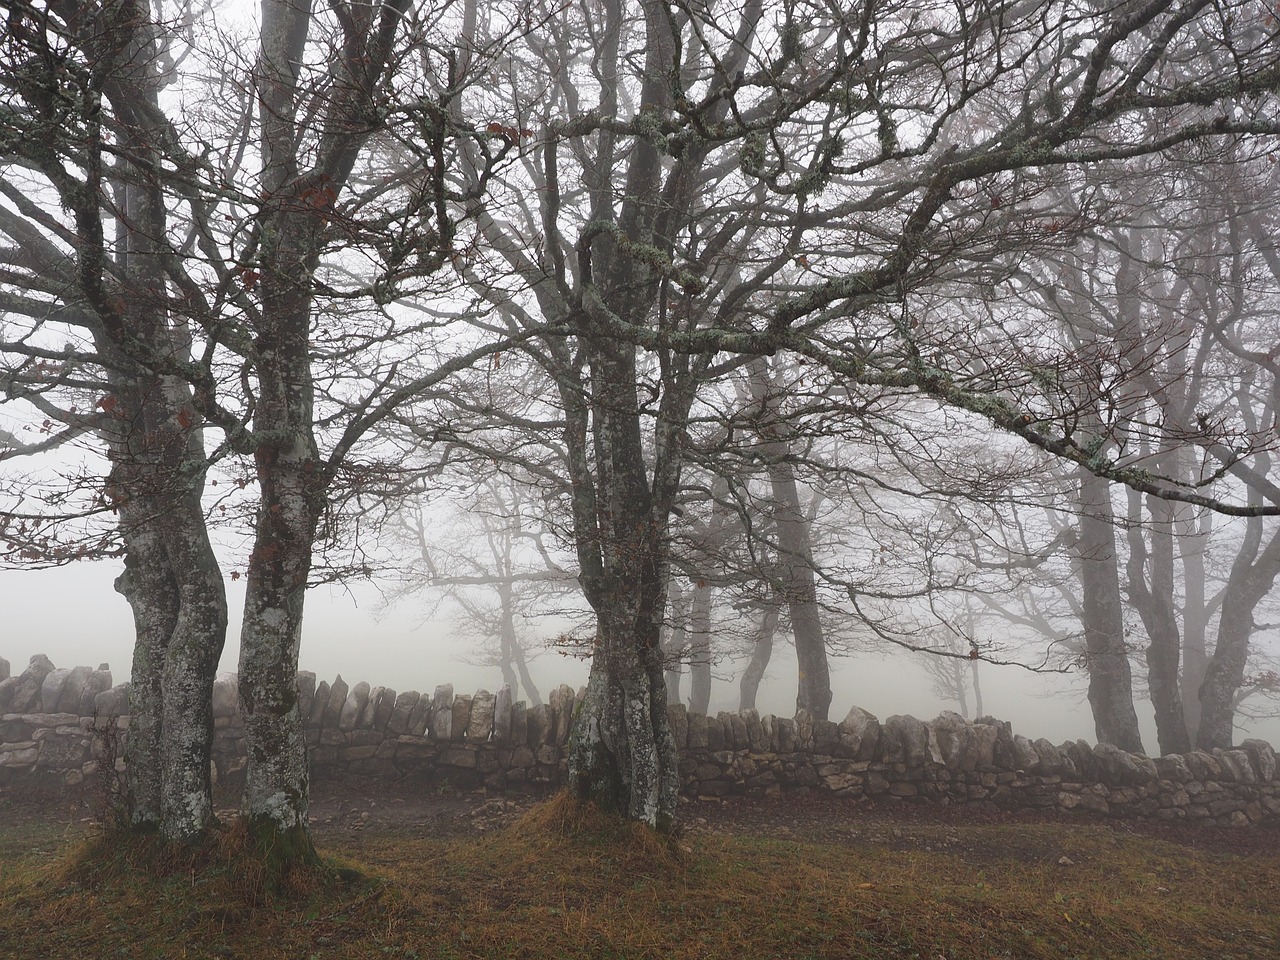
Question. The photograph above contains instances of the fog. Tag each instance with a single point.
(73, 615)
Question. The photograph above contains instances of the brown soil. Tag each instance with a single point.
(343, 810)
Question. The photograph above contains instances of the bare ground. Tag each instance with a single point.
(343, 811)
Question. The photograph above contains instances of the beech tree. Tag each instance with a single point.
(268, 229)
(713, 183)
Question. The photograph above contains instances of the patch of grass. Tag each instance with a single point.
(567, 882)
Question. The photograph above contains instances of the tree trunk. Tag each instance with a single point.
(700, 648)
(677, 641)
(1110, 680)
(622, 755)
(1193, 539)
(190, 666)
(148, 585)
(1252, 576)
(1151, 592)
(761, 652)
(796, 583)
(276, 778)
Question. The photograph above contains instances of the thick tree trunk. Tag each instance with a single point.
(1252, 576)
(796, 583)
(148, 585)
(276, 777)
(622, 755)
(1151, 592)
(1110, 680)
(761, 652)
(190, 666)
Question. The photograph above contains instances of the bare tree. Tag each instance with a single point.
(724, 186)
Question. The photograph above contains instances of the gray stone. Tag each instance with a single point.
(315, 716)
(7, 686)
(4, 669)
(72, 691)
(738, 732)
(98, 681)
(1203, 766)
(519, 724)
(420, 718)
(1025, 757)
(906, 740)
(1116, 766)
(785, 729)
(964, 745)
(1173, 767)
(502, 714)
(804, 729)
(757, 739)
(480, 724)
(541, 727)
(678, 721)
(401, 711)
(366, 719)
(24, 694)
(1239, 766)
(715, 735)
(357, 700)
(113, 702)
(826, 737)
(1051, 761)
(442, 712)
(1263, 757)
(382, 708)
(306, 683)
(337, 700)
(51, 690)
(226, 697)
(859, 734)
(562, 700)
(698, 736)
(461, 716)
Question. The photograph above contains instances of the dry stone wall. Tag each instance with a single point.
(50, 721)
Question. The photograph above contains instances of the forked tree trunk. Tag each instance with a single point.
(1151, 592)
(1252, 575)
(148, 585)
(796, 585)
(1110, 679)
(622, 755)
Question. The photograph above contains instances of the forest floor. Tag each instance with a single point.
(447, 875)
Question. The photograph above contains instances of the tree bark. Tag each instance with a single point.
(1151, 591)
(677, 641)
(1252, 575)
(1110, 679)
(796, 586)
(148, 585)
(700, 648)
(761, 652)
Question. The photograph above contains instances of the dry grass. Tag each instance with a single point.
(567, 882)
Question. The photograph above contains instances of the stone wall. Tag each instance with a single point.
(48, 716)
